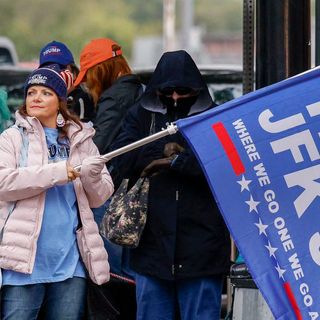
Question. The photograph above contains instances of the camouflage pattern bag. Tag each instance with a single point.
(126, 215)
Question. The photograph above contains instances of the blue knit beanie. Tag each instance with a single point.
(50, 77)
(55, 52)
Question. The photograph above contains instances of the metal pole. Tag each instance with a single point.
(283, 40)
(317, 36)
(187, 24)
(171, 129)
(248, 86)
(248, 46)
(169, 8)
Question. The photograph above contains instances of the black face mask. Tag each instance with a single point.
(179, 108)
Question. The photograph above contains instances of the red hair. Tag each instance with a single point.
(101, 76)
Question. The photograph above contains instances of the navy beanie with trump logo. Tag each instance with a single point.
(51, 77)
(55, 52)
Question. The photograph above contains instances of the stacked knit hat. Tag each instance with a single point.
(51, 77)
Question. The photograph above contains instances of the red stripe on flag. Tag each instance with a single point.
(292, 300)
(229, 148)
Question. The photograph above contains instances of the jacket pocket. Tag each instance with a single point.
(85, 253)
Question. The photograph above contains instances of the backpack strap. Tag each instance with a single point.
(23, 157)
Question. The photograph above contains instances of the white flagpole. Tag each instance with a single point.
(171, 129)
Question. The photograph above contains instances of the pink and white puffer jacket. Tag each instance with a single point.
(27, 187)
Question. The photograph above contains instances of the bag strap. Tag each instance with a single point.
(23, 158)
(123, 279)
(152, 129)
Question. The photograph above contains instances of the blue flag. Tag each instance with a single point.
(261, 156)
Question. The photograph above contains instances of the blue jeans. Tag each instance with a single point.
(63, 300)
(198, 298)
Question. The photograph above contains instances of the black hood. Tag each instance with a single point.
(176, 69)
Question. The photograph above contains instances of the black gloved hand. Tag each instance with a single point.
(156, 166)
(171, 149)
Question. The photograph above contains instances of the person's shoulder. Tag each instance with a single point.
(11, 136)
(82, 132)
(79, 93)
(132, 79)
(137, 110)
(123, 85)
(12, 131)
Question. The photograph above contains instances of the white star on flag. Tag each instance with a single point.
(244, 183)
(280, 271)
(271, 249)
(262, 227)
(252, 204)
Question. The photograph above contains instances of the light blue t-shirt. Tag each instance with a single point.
(57, 256)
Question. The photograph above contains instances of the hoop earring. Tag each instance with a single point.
(60, 120)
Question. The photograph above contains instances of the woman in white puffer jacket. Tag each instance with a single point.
(49, 241)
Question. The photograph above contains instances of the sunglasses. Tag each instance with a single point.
(168, 91)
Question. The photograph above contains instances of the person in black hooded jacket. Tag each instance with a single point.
(184, 250)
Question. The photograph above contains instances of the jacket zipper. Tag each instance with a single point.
(173, 268)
